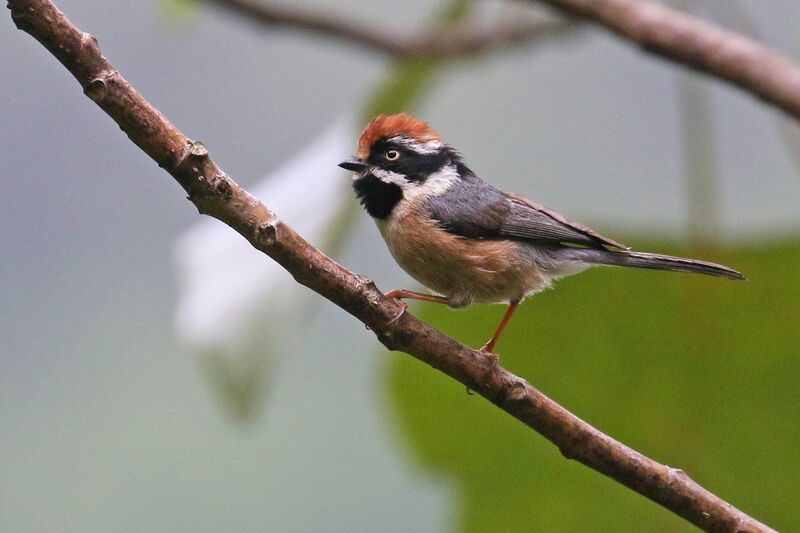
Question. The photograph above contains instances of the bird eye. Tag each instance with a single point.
(392, 155)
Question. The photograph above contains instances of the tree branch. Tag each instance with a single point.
(456, 42)
(216, 194)
(754, 67)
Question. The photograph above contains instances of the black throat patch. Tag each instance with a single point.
(377, 197)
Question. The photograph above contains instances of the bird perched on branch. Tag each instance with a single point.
(467, 240)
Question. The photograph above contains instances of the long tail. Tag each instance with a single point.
(655, 262)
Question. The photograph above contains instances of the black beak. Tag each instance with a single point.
(355, 164)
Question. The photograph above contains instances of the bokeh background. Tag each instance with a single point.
(114, 418)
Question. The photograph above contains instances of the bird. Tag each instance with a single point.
(468, 241)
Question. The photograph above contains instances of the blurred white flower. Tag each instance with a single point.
(234, 303)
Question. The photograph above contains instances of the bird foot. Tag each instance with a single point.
(487, 351)
(403, 306)
(492, 357)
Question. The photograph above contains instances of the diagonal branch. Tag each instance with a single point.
(454, 42)
(216, 194)
(754, 67)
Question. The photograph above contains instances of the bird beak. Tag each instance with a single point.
(355, 164)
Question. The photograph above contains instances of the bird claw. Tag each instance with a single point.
(493, 357)
(403, 308)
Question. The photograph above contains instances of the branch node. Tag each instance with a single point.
(97, 89)
(223, 186)
(268, 232)
(90, 41)
(198, 149)
(367, 287)
(518, 392)
(677, 475)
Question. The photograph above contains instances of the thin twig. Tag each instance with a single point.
(456, 42)
(759, 69)
(216, 194)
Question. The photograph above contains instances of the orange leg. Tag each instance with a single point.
(399, 294)
(402, 294)
(489, 346)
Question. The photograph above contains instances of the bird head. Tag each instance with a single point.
(400, 158)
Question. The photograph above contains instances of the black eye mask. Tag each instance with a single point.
(415, 167)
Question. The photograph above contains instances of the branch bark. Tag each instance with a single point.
(456, 42)
(216, 194)
(754, 67)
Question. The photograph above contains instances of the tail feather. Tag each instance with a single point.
(656, 262)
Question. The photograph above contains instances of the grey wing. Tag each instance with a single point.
(528, 220)
(476, 209)
(472, 209)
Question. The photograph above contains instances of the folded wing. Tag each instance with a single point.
(478, 210)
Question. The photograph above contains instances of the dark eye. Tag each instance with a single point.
(392, 155)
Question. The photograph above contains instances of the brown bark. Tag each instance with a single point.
(456, 42)
(216, 194)
(665, 32)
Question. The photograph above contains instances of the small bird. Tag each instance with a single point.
(467, 240)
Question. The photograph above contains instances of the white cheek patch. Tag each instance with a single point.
(387, 176)
(436, 184)
(423, 148)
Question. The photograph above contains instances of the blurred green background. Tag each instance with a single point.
(111, 423)
(692, 372)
